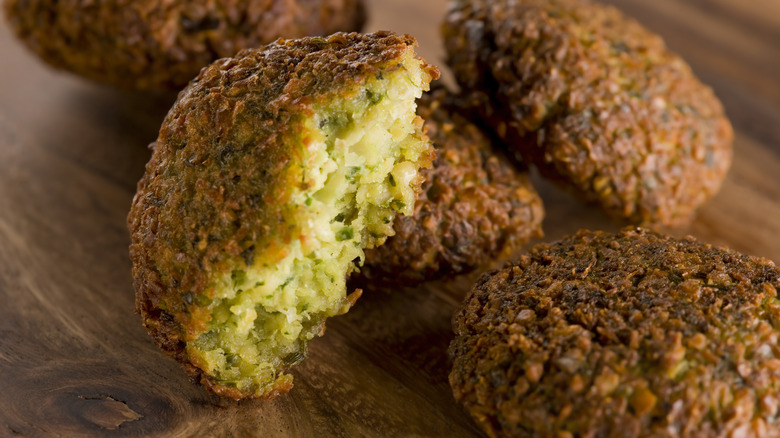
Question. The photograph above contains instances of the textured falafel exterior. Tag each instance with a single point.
(595, 101)
(264, 186)
(474, 206)
(625, 334)
(159, 45)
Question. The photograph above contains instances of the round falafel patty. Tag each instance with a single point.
(271, 173)
(625, 334)
(474, 206)
(159, 45)
(595, 101)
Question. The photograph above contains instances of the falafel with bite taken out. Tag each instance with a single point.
(271, 173)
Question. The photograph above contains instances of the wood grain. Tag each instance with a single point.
(74, 359)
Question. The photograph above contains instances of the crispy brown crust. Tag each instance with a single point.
(626, 334)
(155, 45)
(474, 206)
(215, 193)
(593, 99)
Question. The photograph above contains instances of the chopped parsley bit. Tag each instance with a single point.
(372, 97)
(231, 359)
(308, 201)
(351, 172)
(345, 233)
(238, 277)
(397, 204)
(392, 180)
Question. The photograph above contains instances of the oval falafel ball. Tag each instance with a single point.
(474, 206)
(625, 334)
(271, 173)
(595, 101)
(161, 45)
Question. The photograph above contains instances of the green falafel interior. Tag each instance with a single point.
(361, 155)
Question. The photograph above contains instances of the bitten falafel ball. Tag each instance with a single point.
(474, 206)
(595, 101)
(271, 174)
(626, 334)
(161, 45)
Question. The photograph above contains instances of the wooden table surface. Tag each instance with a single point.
(74, 359)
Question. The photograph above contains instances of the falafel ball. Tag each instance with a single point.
(474, 206)
(271, 173)
(625, 334)
(161, 45)
(595, 101)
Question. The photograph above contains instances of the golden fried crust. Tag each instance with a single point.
(597, 102)
(216, 191)
(474, 206)
(161, 45)
(626, 334)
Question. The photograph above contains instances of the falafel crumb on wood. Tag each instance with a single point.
(272, 172)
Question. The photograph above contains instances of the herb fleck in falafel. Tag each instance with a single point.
(626, 334)
(272, 172)
(595, 101)
(474, 206)
(158, 45)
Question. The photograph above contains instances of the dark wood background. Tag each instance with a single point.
(74, 359)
